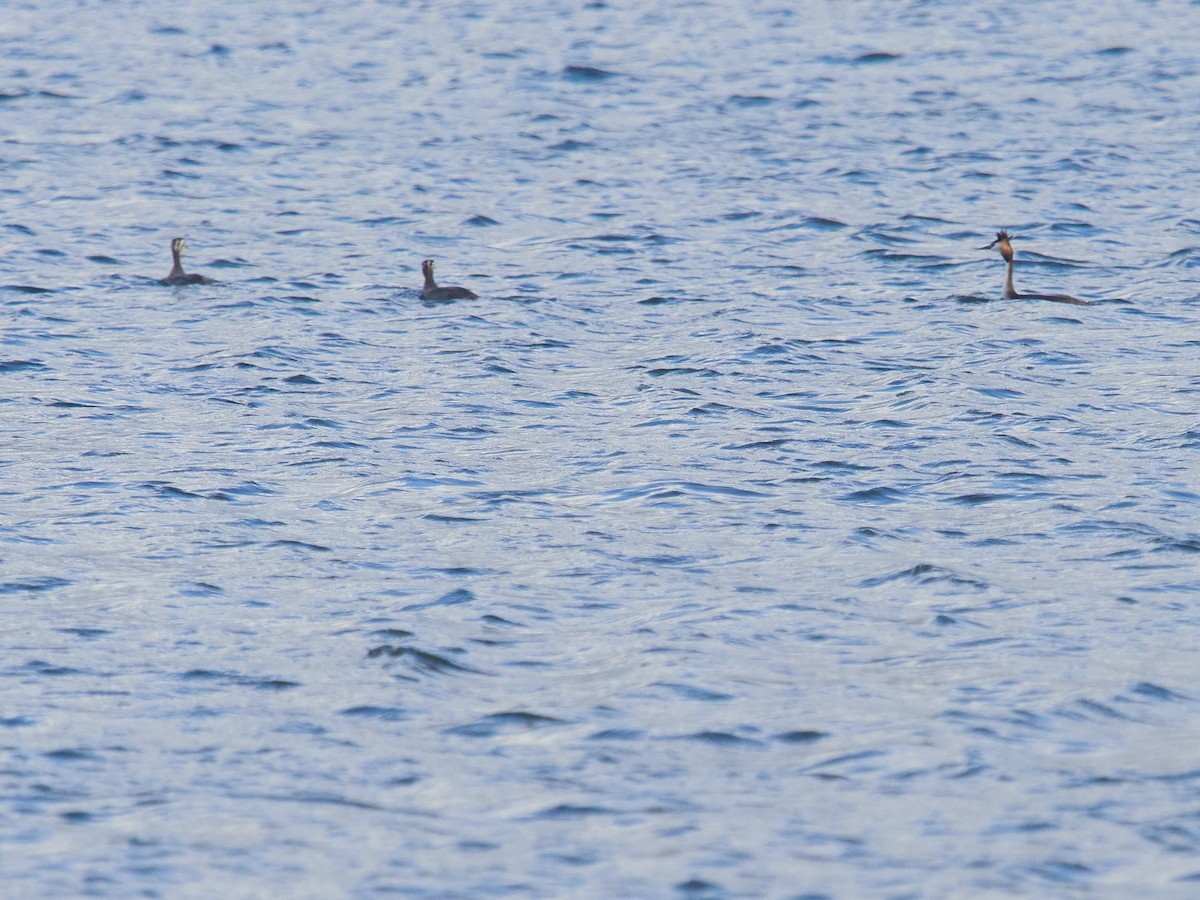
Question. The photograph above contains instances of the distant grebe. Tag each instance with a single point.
(1003, 243)
(432, 291)
(178, 276)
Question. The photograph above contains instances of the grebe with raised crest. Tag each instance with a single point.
(178, 276)
(434, 291)
(1003, 243)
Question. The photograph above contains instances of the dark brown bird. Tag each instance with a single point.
(178, 276)
(434, 291)
(1003, 243)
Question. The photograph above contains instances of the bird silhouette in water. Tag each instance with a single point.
(1003, 243)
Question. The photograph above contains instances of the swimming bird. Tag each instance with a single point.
(178, 276)
(432, 291)
(1003, 243)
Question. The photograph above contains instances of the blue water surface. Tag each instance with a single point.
(739, 541)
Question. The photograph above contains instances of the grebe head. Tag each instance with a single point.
(1002, 244)
(177, 245)
(427, 268)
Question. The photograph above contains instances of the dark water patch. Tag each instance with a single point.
(664, 300)
(455, 597)
(777, 443)
(72, 755)
(504, 723)
(19, 365)
(858, 763)
(300, 545)
(38, 585)
(314, 798)
(200, 589)
(41, 668)
(587, 74)
(690, 692)
(1089, 710)
(878, 56)
(392, 633)
(682, 371)
(462, 572)
(163, 489)
(1152, 691)
(926, 573)
(1061, 872)
(1174, 544)
(980, 499)
(618, 734)
(421, 660)
(800, 737)
(382, 713)
(841, 466)
(228, 679)
(878, 495)
(88, 634)
(1000, 393)
(700, 889)
(250, 489)
(570, 146)
(721, 739)
(570, 811)
(750, 101)
(656, 493)
(27, 289)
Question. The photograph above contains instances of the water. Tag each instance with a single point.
(739, 541)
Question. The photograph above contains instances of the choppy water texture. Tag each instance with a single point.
(739, 541)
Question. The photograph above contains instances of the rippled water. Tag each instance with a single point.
(739, 541)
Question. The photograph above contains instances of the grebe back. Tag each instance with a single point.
(433, 291)
(1003, 243)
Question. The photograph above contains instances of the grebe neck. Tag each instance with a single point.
(177, 258)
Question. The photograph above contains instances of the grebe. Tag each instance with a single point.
(432, 291)
(1003, 244)
(178, 276)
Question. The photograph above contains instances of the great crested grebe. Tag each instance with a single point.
(432, 291)
(1003, 243)
(178, 276)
